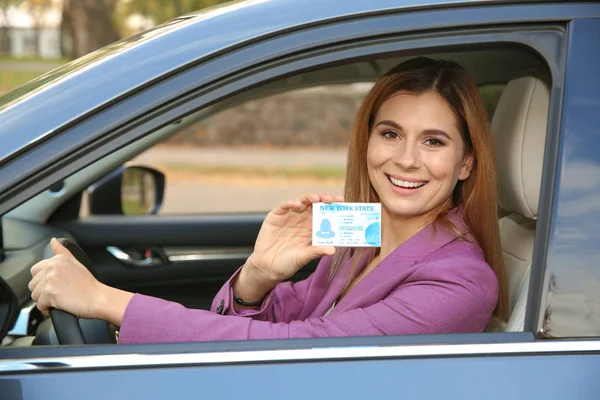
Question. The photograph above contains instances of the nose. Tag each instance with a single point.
(408, 156)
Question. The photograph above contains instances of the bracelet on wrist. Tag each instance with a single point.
(248, 304)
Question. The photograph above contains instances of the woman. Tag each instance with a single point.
(422, 148)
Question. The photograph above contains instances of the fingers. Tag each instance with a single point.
(38, 290)
(58, 248)
(37, 285)
(286, 206)
(37, 268)
(41, 281)
(309, 198)
(37, 278)
(303, 202)
(41, 296)
(316, 198)
(43, 274)
(59, 251)
(48, 264)
(43, 304)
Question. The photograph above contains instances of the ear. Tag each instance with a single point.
(467, 167)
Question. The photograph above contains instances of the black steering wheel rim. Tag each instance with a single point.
(67, 328)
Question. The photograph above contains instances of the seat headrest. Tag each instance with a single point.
(519, 131)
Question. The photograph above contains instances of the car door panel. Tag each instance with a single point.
(456, 377)
(179, 258)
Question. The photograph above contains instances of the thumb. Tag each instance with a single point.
(310, 253)
(324, 250)
(58, 248)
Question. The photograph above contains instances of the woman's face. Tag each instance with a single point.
(416, 154)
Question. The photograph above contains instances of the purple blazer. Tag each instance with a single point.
(432, 283)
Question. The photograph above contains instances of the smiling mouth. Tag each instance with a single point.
(406, 184)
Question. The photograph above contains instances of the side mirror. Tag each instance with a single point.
(132, 190)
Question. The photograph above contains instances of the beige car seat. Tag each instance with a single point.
(519, 130)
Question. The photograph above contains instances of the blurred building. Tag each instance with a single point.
(22, 35)
(30, 42)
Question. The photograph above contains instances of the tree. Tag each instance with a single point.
(90, 25)
(163, 10)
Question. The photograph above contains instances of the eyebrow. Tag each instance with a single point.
(431, 131)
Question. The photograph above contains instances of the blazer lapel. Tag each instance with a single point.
(423, 243)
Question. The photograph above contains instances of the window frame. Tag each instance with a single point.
(569, 123)
(134, 117)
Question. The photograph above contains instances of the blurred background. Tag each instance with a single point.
(38, 35)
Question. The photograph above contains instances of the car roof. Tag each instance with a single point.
(39, 108)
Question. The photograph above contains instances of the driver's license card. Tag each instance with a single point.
(346, 224)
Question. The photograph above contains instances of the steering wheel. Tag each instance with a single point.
(66, 325)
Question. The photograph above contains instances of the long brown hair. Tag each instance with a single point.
(477, 195)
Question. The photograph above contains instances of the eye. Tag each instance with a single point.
(389, 134)
(434, 142)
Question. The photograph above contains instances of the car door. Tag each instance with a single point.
(187, 256)
(462, 366)
(210, 247)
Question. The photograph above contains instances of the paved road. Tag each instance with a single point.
(245, 156)
(208, 197)
(187, 193)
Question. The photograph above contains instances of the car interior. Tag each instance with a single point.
(519, 125)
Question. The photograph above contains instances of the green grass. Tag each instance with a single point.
(61, 60)
(10, 79)
(307, 172)
(132, 207)
(11, 76)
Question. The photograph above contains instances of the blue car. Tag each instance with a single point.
(69, 141)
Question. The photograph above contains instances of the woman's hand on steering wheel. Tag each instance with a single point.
(62, 282)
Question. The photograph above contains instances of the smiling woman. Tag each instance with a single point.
(422, 148)
(422, 165)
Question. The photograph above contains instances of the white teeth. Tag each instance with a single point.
(406, 184)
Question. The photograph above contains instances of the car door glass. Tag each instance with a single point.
(248, 157)
(251, 156)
